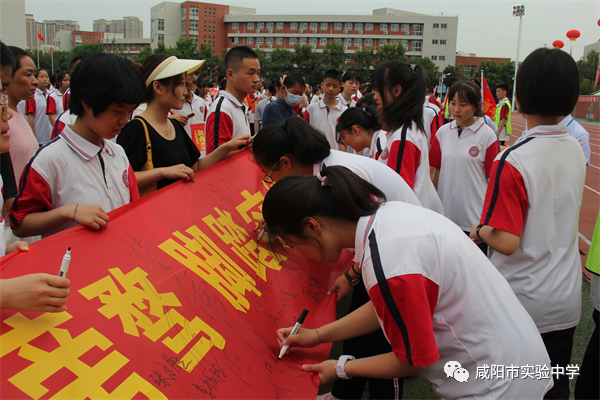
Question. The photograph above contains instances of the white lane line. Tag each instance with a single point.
(584, 239)
(593, 166)
(595, 191)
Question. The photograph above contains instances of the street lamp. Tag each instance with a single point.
(442, 76)
(518, 11)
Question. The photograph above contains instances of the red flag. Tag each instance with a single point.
(597, 74)
(489, 105)
(177, 304)
(40, 37)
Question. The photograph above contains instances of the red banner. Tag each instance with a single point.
(175, 299)
(489, 105)
(40, 37)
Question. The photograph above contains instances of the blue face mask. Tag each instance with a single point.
(293, 99)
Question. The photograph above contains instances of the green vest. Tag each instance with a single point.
(497, 116)
(593, 261)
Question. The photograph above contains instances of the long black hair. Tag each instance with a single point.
(295, 137)
(345, 197)
(408, 107)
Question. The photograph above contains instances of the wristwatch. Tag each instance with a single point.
(353, 281)
(339, 368)
(478, 229)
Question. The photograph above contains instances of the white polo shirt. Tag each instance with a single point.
(409, 157)
(539, 185)
(55, 103)
(226, 120)
(71, 170)
(576, 130)
(465, 164)
(196, 123)
(37, 107)
(451, 303)
(320, 117)
(377, 144)
(342, 100)
(429, 118)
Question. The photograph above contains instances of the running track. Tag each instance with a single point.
(591, 191)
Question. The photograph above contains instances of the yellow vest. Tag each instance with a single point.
(593, 260)
(497, 116)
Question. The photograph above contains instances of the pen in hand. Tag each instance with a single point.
(294, 331)
(64, 266)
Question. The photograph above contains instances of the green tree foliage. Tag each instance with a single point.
(62, 59)
(587, 66)
(456, 75)
(429, 66)
(306, 62)
(186, 48)
(333, 57)
(142, 55)
(497, 73)
(280, 62)
(389, 52)
(363, 61)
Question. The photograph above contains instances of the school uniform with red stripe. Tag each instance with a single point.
(55, 103)
(535, 192)
(323, 119)
(226, 120)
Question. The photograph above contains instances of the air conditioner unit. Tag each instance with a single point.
(345, 32)
(270, 46)
(270, 30)
(315, 31)
(314, 46)
(237, 31)
(257, 31)
(360, 32)
(358, 47)
(301, 31)
(385, 32)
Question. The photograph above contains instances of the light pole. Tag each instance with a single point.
(518, 11)
(443, 75)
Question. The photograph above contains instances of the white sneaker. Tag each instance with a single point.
(327, 396)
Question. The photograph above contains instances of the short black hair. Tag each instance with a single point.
(351, 75)
(6, 57)
(122, 83)
(75, 61)
(277, 82)
(468, 92)
(18, 54)
(333, 74)
(236, 55)
(368, 99)
(502, 86)
(205, 84)
(535, 96)
(294, 79)
(270, 86)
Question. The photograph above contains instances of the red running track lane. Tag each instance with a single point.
(591, 192)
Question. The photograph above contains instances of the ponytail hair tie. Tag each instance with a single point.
(324, 180)
(412, 66)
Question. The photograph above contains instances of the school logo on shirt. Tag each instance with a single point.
(384, 154)
(126, 178)
(201, 109)
(474, 151)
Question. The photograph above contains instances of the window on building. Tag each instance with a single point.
(292, 41)
(368, 42)
(193, 11)
(214, 13)
(250, 26)
(436, 26)
(405, 28)
(313, 25)
(161, 24)
(269, 40)
(279, 41)
(368, 27)
(417, 30)
(269, 25)
(302, 40)
(205, 10)
(193, 25)
(337, 26)
(444, 26)
(293, 26)
(323, 42)
(260, 25)
(358, 42)
(383, 27)
(382, 42)
(183, 12)
(205, 39)
(443, 42)
(434, 58)
(234, 40)
(303, 25)
(260, 40)
(405, 43)
(161, 37)
(324, 26)
(235, 26)
(394, 41)
(434, 41)
(337, 40)
(210, 13)
(78, 38)
(250, 40)
(183, 25)
(347, 42)
(358, 26)
(442, 58)
(348, 58)
(204, 25)
(348, 26)
(279, 26)
(313, 40)
(214, 26)
(469, 69)
(416, 45)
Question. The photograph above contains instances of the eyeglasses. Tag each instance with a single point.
(267, 178)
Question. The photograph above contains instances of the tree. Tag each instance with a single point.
(390, 52)
(429, 66)
(306, 62)
(456, 75)
(85, 49)
(587, 66)
(363, 62)
(333, 57)
(211, 61)
(497, 73)
(186, 49)
(142, 55)
(62, 59)
(280, 63)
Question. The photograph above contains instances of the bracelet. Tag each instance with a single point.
(318, 336)
(357, 273)
(478, 229)
(75, 211)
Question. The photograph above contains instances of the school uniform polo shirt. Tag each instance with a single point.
(377, 144)
(439, 299)
(226, 120)
(465, 162)
(37, 107)
(342, 100)
(196, 123)
(429, 123)
(535, 192)
(277, 112)
(66, 99)
(55, 103)
(576, 130)
(320, 117)
(71, 170)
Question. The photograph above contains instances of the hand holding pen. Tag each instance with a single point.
(297, 337)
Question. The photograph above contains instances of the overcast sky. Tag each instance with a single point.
(485, 27)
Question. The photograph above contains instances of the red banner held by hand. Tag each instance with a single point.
(175, 299)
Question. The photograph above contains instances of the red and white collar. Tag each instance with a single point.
(546, 130)
(87, 150)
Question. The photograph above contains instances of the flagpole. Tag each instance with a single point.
(482, 100)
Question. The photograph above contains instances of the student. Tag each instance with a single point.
(317, 96)
(35, 109)
(359, 128)
(196, 107)
(226, 119)
(462, 154)
(532, 230)
(55, 105)
(503, 114)
(350, 84)
(436, 297)
(290, 96)
(174, 154)
(272, 88)
(323, 116)
(399, 90)
(81, 175)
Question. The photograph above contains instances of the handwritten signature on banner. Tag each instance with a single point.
(186, 314)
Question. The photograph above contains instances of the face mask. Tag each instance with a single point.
(293, 100)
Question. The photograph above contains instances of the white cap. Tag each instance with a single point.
(173, 66)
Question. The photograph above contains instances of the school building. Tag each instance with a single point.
(224, 27)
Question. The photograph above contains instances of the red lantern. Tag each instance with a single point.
(599, 22)
(573, 34)
(558, 44)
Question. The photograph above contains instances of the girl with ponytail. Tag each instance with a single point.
(438, 299)
(399, 90)
(359, 128)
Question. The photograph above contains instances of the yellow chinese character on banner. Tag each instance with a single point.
(252, 200)
(203, 257)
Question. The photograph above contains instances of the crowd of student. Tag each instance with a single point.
(380, 167)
